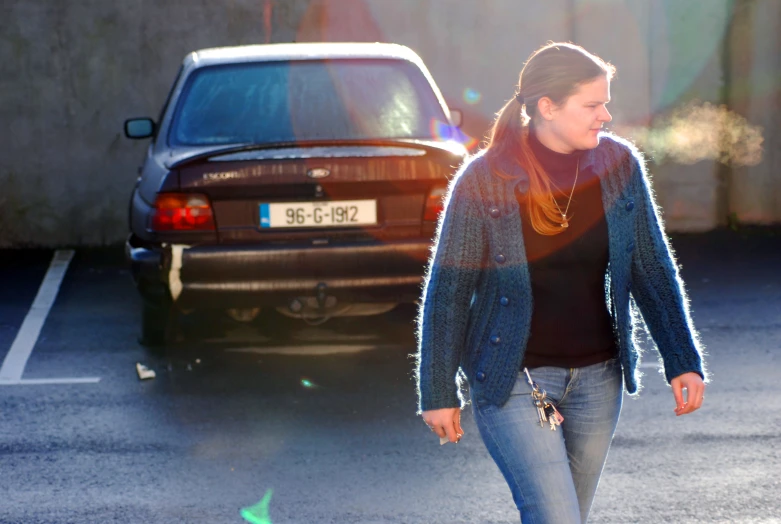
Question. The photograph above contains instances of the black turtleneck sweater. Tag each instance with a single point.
(571, 325)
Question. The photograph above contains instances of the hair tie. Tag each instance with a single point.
(519, 98)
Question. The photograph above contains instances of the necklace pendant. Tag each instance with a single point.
(565, 224)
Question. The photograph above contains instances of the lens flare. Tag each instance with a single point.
(443, 131)
(258, 514)
(472, 96)
(701, 131)
(308, 383)
(684, 41)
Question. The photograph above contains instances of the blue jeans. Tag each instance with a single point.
(553, 475)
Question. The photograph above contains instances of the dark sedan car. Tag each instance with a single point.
(305, 178)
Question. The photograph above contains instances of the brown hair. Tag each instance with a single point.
(555, 71)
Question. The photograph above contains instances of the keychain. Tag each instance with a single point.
(546, 410)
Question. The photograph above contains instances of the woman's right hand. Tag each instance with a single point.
(445, 422)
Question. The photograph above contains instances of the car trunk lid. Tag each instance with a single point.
(388, 181)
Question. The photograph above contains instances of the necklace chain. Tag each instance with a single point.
(564, 214)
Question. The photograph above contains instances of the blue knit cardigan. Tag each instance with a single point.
(475, 313)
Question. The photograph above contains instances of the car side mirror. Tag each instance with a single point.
(457, 117)
(137, 128)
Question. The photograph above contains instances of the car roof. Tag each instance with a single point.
(299, 51)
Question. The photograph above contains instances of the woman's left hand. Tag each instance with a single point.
(695, 392)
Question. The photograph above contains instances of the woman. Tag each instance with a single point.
(549, 244)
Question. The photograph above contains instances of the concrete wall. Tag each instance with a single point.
(754, 193)
(73, 71)
(685, 46)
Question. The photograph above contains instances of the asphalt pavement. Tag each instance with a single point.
(317, 424)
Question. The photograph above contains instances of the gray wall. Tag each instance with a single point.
(72, 71)
(754, 193)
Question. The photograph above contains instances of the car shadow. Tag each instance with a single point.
(222, 369)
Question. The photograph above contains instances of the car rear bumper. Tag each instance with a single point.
(224, 276)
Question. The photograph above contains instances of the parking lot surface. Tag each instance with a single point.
(320, 420)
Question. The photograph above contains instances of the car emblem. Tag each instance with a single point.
(319, 172)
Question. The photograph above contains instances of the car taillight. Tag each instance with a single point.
(435, 203)
(182, 212)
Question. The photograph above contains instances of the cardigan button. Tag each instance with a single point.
(500, 258)
(480, 376)
(495, 212)
(495, 339)
(504, 301)
(630, 205)
(630, 247)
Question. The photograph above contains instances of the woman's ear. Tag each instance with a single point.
(546, 108)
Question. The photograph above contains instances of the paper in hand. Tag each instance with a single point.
(445, 440)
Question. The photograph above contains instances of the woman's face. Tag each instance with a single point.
(576, 123)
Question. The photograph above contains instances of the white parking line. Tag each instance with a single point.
(48, 381)
(15, 361)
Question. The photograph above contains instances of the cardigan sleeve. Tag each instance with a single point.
(451, 276)
(658, 288)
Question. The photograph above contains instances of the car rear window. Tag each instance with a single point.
(271, 102)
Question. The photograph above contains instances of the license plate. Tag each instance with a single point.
(319, 214)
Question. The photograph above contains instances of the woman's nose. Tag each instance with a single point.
(605, 116)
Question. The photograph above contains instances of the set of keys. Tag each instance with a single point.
(546, 411)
